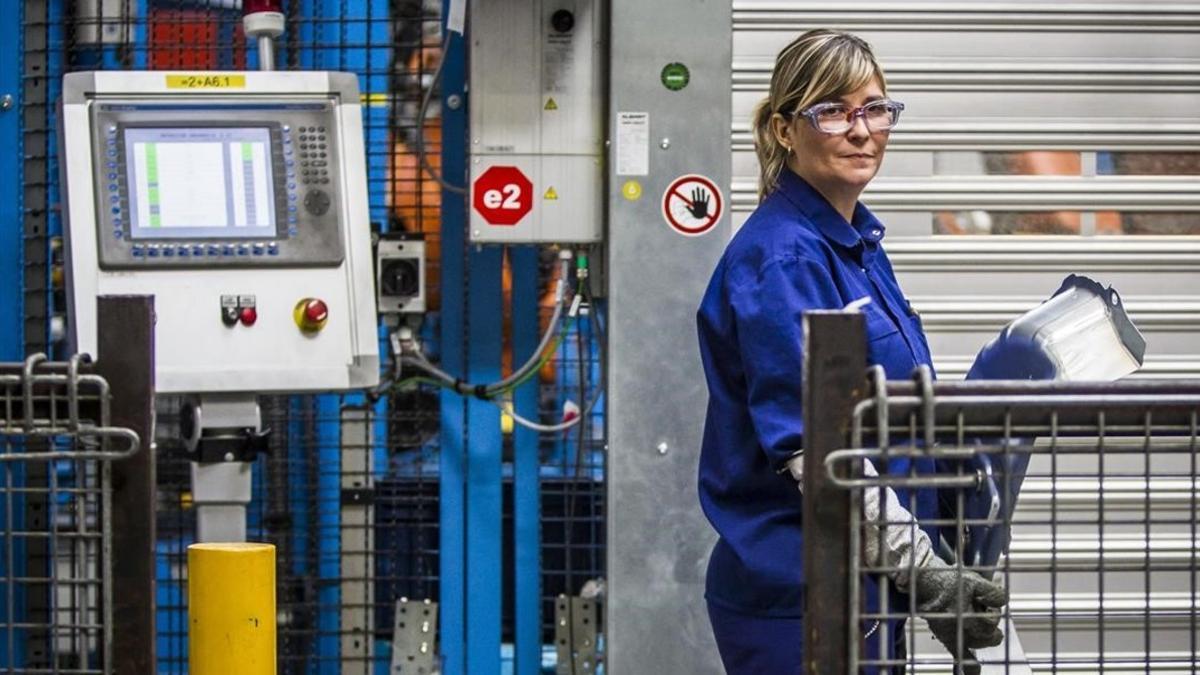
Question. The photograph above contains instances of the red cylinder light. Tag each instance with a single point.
(256, 6)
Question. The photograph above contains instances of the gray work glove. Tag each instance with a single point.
(938, 590)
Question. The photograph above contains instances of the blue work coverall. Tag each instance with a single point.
(795, 253)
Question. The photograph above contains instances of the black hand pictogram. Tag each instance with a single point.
(699, 205)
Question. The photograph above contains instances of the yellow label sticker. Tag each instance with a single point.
(374, 99)
(551, 105)
(631, 190)
(206, 81)
(551, 194)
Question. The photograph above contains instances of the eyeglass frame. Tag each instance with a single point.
(812, 111)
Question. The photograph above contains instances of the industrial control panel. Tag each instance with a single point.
(239, 201)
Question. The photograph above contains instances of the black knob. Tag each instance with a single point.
(400, 277)
(563, 21)
(317, 202)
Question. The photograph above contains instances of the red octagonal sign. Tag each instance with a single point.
(502, 195)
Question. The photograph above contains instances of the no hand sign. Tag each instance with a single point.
(502, 195)
(692, 205)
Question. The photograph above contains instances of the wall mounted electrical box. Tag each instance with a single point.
(239, 200)
(537, 111)
(400, 273)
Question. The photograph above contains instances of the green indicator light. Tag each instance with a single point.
(675, 76)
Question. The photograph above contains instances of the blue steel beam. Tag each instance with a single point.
(11, 172)
(470, 516)
(526, 484)
(453, 471)
(484, 443)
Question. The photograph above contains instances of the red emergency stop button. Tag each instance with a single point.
(248, 315)
(311, 314)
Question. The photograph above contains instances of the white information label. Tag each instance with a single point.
(633, 144)
(456, 17)
(558, 62)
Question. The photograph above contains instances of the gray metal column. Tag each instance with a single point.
(658, 539)
(357, 532)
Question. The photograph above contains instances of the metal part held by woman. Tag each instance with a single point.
(820, 136)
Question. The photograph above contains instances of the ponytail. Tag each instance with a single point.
(772, 155)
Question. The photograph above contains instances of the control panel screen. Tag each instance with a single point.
(200, 182)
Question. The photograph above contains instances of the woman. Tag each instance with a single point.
(820, 136)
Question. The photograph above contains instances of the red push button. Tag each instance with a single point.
(316, 311)
(248, 316)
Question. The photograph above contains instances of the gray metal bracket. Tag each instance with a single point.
(414, 638)
(575, 621)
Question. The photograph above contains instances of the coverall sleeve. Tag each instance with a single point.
(768, 308)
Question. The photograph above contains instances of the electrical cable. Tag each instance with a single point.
(551, 339)
(587, 410)
(540, 356)
(422, 158)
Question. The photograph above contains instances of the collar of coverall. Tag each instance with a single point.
(865, 227)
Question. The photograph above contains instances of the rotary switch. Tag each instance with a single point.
(311, 315)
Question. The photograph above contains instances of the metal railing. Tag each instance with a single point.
(1100, 557)
(56, 449)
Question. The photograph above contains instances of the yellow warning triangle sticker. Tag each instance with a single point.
(551, 194)
(551, 105)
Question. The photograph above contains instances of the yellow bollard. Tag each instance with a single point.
(231, 609)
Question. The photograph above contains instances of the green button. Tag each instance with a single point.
(675, 76)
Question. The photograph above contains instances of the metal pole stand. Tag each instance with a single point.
(263, 21)
(224, 434)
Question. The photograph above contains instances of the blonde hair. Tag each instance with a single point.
(819, 65)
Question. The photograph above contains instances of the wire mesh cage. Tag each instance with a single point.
(56, 450)
(351, 503)
(1021, 527)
